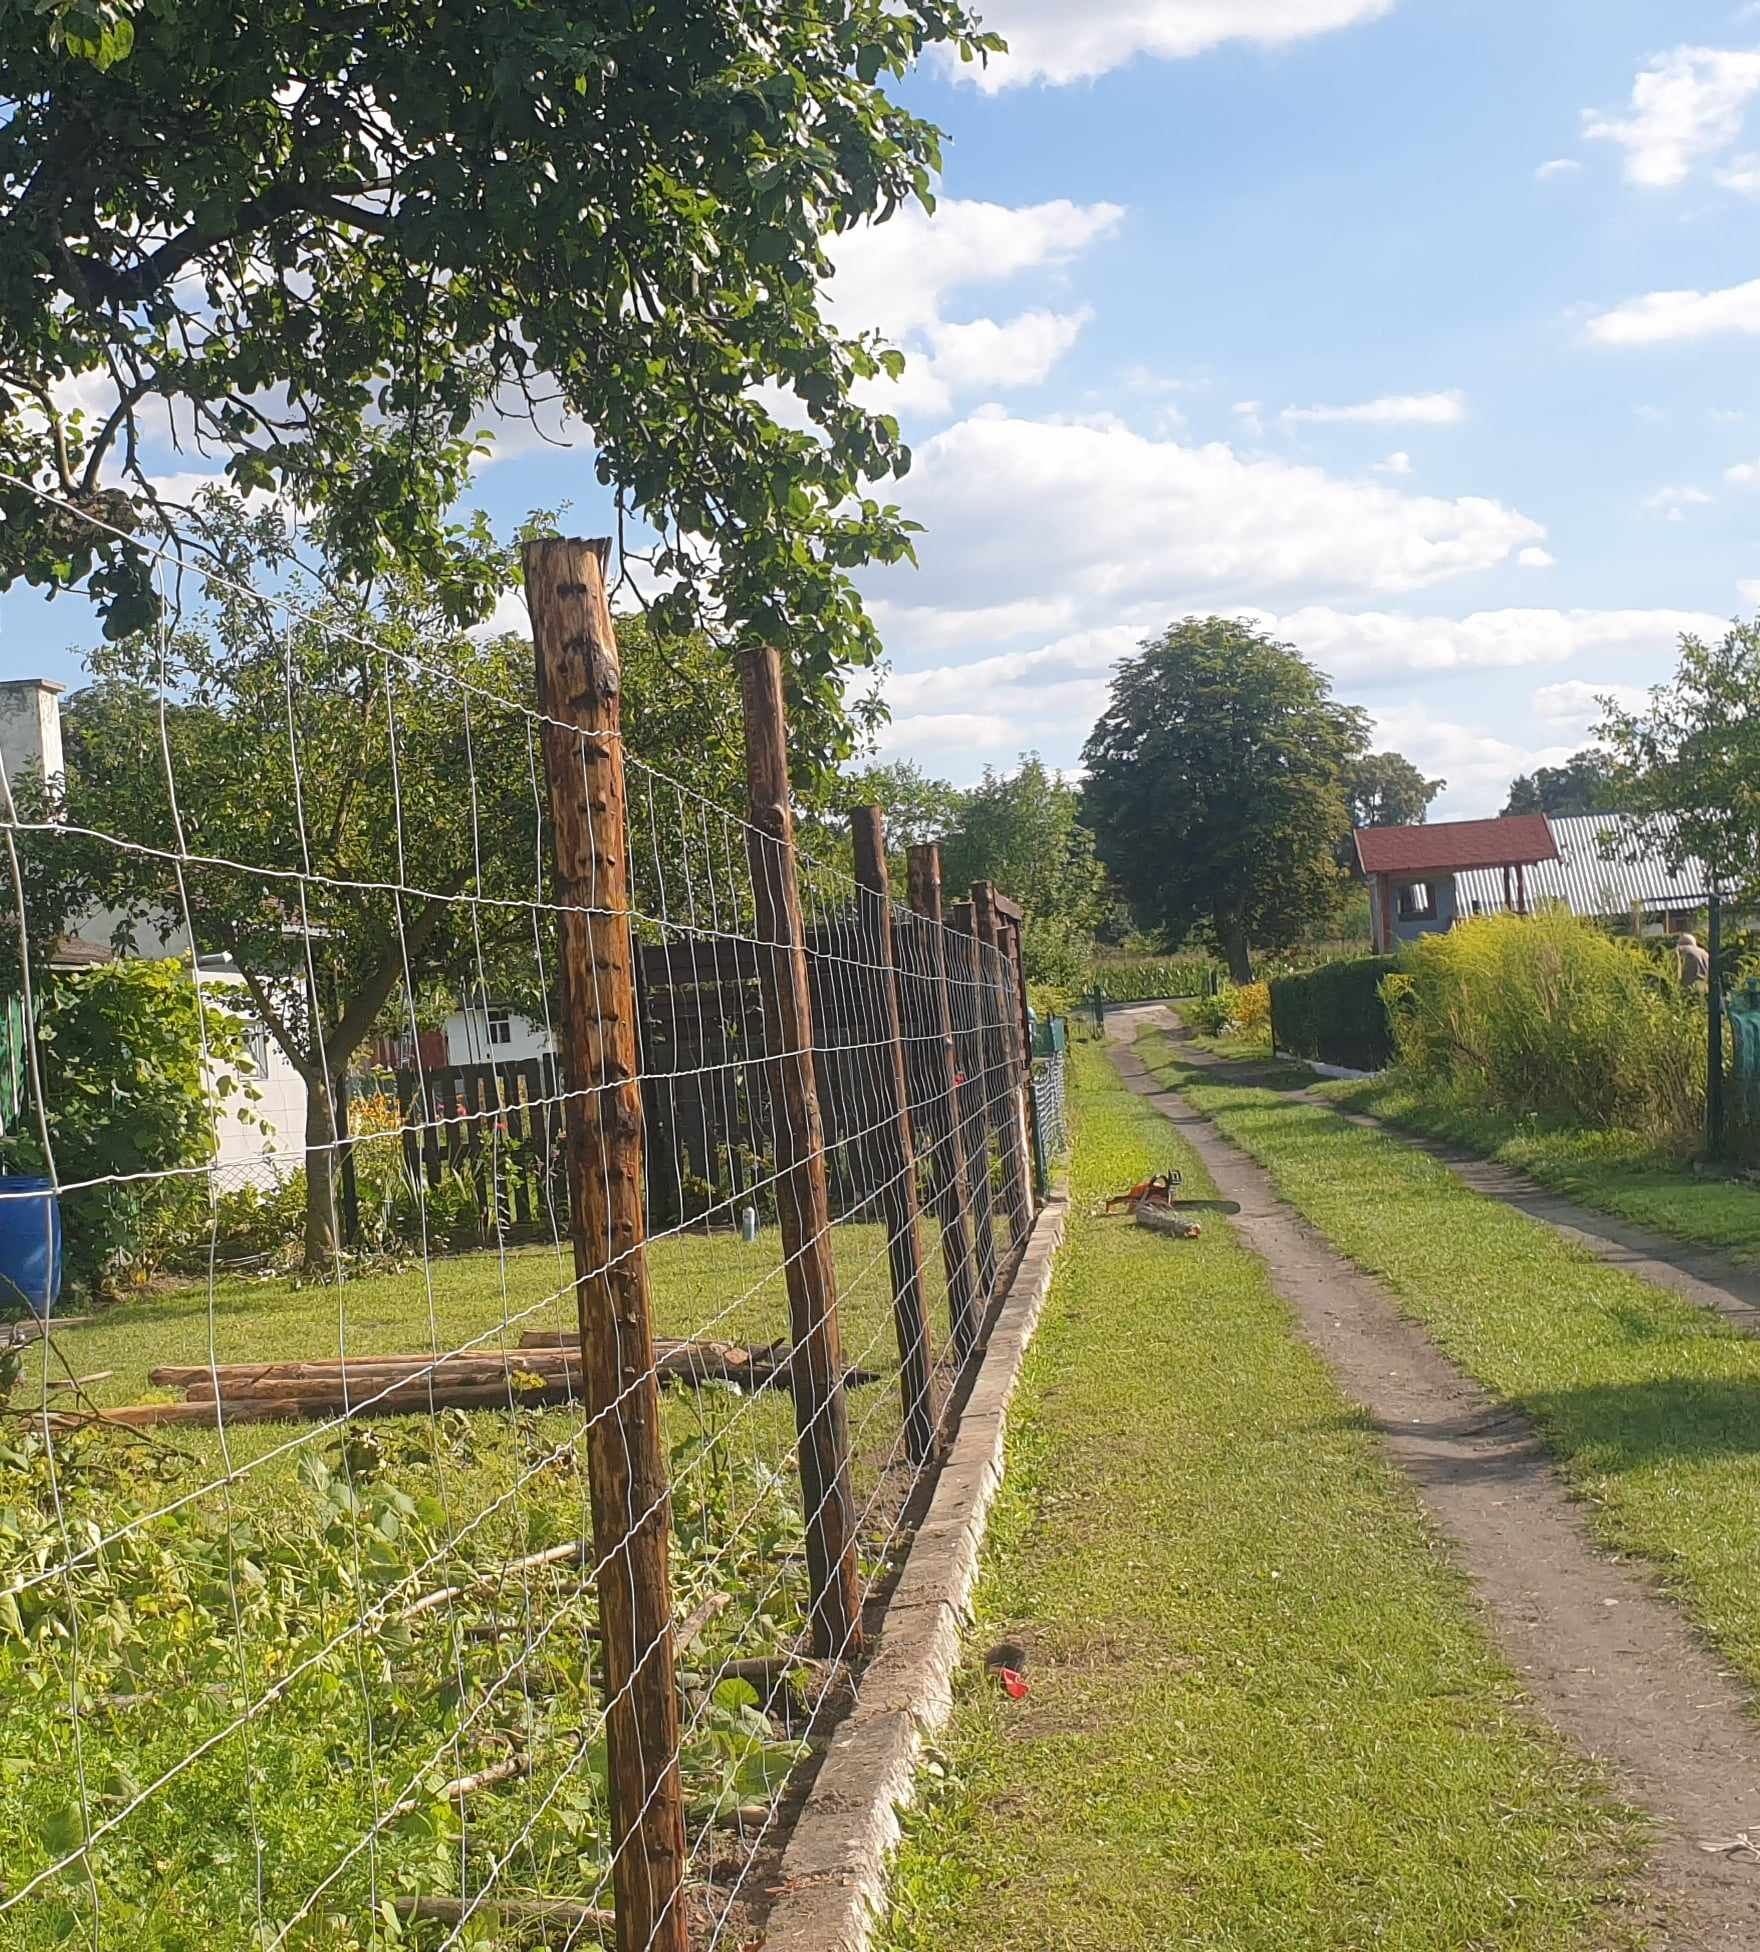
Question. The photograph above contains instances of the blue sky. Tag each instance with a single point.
(1419, 328)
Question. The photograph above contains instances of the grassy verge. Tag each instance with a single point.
(263, 1731)
(1615, 1172)
(1651, 1404)
(1261, 1715)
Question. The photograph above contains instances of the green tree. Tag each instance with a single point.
(1217, 786)
(129, 1104)
(358, 798)
(1693, 751)
(1387, 790)
(330, 243)
(1583, 784)
(1023, 831)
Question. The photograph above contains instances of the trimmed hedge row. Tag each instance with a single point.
(1335, 1014)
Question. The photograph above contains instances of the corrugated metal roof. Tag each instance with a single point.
(1587, 881)
(1452, 845)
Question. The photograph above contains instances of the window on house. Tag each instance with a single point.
(500, 1026)
(1417, 902)
(256, 1038)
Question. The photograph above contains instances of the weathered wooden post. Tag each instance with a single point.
(803, 1206)
(1023, 1016)
(973, 1047)
(1002, 1059)
(580, 694)
(895, 1148)
(951, 1179)
(1716, 1122)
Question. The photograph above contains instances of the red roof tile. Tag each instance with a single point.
(1450, 845)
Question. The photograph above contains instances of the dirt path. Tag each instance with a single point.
(1608, 1662)
(1700, 1274)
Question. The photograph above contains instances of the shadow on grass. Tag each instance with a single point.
(1666, 1420)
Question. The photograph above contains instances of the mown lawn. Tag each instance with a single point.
(1650, 1404)
(1261, 1714)
(1615, 1172)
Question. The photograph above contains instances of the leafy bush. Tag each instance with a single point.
(1056, 951)
(120, 1047)
(1547, 1015)
(1335, 1014)
(1231, 1012)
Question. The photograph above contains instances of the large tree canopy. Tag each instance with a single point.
(325, 242)
(359, 812)
(1583, 784)
(1218, 783)
(1694, 752)
(1387, 790)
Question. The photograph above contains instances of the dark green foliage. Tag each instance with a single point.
(330, 243)
(1694, 752)
(1583, 784)
(1335, 1014)
(1387, 790)
(120, 1051)
(1218, 787)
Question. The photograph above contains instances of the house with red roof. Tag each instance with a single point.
(1414, 873)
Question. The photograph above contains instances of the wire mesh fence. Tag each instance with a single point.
(496, 1569)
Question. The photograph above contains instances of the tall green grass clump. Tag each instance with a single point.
(1545, 1015)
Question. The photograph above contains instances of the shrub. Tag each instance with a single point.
(1232, 1012)
(128, 1105)
(1547, 1015)
(1335, 1014)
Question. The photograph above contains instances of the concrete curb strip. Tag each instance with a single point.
(833, 1883)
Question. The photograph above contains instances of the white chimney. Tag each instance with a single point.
(30, 729)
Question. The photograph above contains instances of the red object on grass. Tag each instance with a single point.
(1014, 1684)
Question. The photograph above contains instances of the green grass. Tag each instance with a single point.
(1650, 1404)
(218, 1587)
(1261, 1717)
(1620, 1173)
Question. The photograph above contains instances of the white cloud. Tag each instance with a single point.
(1575, 706)
(1046, 694)
(898, 278)
(1675, 499)
(1686, 105)
(1652, 416)
(1535, 558)
(1109, 517)
(1049, 40)
(1396, 463)
(1742, 175)
(1661, 317)
(1748, 589)
(1381, 643)
(1558, 166)
(1477, 764)
(1744, 474)
(1391, 410)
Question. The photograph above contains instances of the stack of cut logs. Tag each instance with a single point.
(545, 1370)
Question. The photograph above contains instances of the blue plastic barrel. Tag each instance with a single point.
(30, 1244)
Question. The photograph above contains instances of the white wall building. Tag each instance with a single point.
(495, 1035)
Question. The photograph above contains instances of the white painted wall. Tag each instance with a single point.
(472, 1037)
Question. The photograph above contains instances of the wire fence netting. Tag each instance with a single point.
(303, 1622)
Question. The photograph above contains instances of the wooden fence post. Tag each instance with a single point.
(1002, 1061)
(803, 1206)
(1023, 1023)
(972, 1046)
(896, 1150)
(579, 691)
(951, 1179)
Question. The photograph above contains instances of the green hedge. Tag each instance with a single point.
(1335, 1014)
